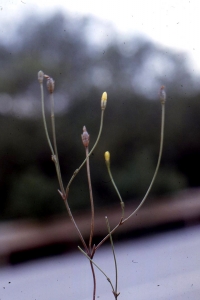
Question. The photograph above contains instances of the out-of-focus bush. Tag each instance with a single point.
(131, 73)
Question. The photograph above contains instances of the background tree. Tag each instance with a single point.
(131, 71)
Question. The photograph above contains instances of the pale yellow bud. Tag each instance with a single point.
(103, 100)
(107, 157)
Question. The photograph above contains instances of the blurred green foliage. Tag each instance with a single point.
(61, 48)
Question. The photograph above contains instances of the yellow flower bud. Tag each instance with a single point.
(107, 157)
(103, 100)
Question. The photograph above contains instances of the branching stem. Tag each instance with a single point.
(98, 268)
(56, 161)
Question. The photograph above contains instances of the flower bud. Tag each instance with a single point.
(85, 137)
(50, 85)
(40, 76)
(162, 94)
(107, 157)
(103, 100)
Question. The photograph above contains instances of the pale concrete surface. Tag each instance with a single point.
(161, 267)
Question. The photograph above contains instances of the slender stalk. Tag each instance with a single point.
(116, 189)
(94, 280)
(54, 154)
(56, 158)
(91, 198)
(114, 256)
(44, 119)
(91, 151)
(152, 181)
(75, 225)
(157, 166)
(108, 235)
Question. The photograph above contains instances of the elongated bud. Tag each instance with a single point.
(103, 100)
(50, 85)
(162, 94)
(40, 76)
(85, 137)
(107, 157)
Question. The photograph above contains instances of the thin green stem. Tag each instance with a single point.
(91, 198)
(94, 280)
(152, 181)
(56, 158)
(54, 154)
(114, 256)
(44, 119)
(117, 191)
(75, 225)
(91, 151)
(107, 236)
(157, 166)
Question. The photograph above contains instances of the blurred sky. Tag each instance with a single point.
(172, 23)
